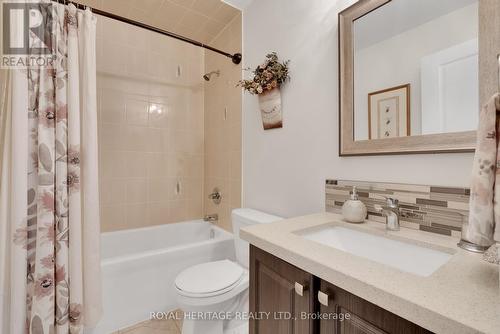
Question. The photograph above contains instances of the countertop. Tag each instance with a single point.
(462, 296)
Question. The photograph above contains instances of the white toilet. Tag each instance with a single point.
(207, 291)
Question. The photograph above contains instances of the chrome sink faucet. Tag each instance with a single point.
(391, 212)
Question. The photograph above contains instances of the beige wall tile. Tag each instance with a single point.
(177, 114)
(136, 37)
(138, 14)
(176, 188)
(113, 59)
(136, 111)
(195, 143)
(177, 140)
(221, 164)
(112, 164)
(162, 130)
(226, 13)
(177, 210)
(135, 61)
(158, 190)
(234, 139)
(207, 7)
(223, 127)
(112, 106)
(235, 165)
(113, 218)
(137, 190)
(155, 140)
(158, 115)
(157, 165)
(195, 207)
(110, 136)
(235, 194)
(177, 164)
(135, 138)
(134, 162)
(195, 167)
(137, 215)
(192, 188)
(113, 191)
(158, 213)
(192, 18)
(113, 30)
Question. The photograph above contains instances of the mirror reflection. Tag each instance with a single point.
(416, 69)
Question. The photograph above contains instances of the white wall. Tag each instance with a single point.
(284, 170)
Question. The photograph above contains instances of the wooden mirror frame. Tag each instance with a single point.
(489, 47)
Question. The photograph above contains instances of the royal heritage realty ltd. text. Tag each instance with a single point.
(248, 316)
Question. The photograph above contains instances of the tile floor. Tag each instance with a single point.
(169, 326)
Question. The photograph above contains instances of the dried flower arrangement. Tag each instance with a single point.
(267, 76)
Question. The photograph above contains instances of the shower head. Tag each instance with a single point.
(209, 74)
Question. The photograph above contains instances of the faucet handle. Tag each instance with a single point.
(215, 196)
(390, 201)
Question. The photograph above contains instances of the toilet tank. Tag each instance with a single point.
(246, 217)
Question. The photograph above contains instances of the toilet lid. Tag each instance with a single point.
(209, 279)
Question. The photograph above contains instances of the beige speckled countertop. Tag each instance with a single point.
(463, 296)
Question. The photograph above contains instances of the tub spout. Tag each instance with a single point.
(213, 218)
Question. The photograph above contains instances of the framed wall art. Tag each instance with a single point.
(389, 112)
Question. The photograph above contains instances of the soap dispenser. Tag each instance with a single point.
(353, 210)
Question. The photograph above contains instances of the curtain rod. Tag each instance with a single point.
(235, 58)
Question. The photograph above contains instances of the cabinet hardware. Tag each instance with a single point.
(299, 289)
(323, 298)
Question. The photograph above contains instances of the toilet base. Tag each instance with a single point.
(238, 303)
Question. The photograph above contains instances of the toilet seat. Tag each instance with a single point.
(209, 279)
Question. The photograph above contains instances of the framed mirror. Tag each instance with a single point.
(409, 76)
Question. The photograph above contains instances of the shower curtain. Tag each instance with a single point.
(49, 207)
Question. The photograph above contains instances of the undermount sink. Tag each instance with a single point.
(401, 255)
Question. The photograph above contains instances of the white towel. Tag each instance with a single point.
(484, 207)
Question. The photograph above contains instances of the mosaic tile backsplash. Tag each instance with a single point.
(428, 208)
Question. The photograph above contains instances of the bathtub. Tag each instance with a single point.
(139, 267)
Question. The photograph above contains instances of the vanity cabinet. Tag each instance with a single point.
(282, 296)
(364, 317)
(279, 292)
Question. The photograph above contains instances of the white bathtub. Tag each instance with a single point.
(139, 267)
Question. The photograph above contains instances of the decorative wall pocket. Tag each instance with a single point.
(266, 83)
(270, 109)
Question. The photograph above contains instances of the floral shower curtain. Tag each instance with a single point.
(54, 283)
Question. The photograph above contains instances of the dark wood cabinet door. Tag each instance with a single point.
(273, 297)
(364, 317)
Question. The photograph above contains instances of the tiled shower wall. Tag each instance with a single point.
(423, 207)
(151, 127)
(223, 125)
